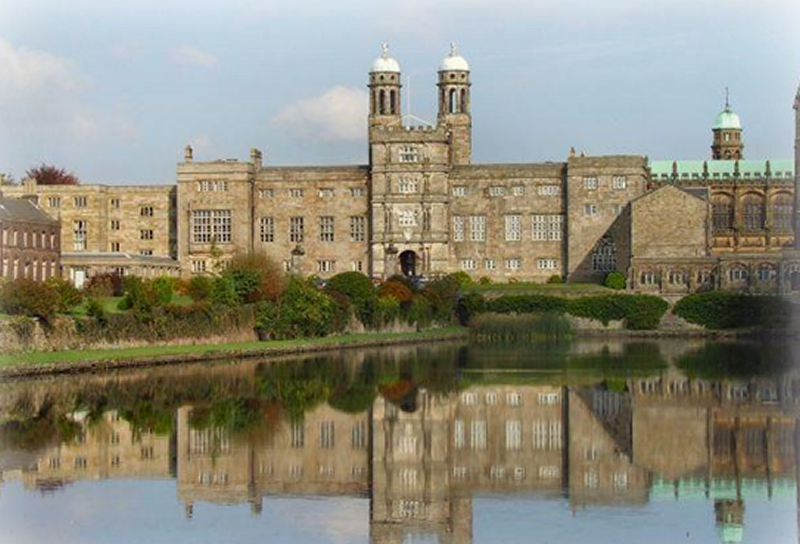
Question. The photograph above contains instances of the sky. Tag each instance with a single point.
(113, 91)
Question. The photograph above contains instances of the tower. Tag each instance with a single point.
(728, 143)
(454, 105)
(384, 91)
(797, 170)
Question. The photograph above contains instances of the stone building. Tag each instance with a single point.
(420, 206)
(30, 241)
(124, 229)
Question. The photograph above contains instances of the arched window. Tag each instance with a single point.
(382, 102)
(393, 102)
(721, 212)
(373, 102)
(753, 206)
(453, 105)
(767, 272)
(738, 272)
(782, 208)
(604, 256)
(463, 101)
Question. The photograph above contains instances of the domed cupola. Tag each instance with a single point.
(454, 62)
(385, 63)
(384, 90)
(728, 142)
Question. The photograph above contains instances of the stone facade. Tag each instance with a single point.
(30, 241)
(128, 229)
(421, 207)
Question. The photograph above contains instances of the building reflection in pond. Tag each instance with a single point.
(422, 456)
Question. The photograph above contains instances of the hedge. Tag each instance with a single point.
(724, 310)
(640, 312)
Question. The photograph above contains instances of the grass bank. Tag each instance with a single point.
(59, 362)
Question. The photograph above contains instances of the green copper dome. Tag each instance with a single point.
(727, 120)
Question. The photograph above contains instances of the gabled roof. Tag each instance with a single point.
(21, 209)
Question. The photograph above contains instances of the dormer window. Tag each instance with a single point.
(409, 154)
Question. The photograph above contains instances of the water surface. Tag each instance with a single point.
(594, 441)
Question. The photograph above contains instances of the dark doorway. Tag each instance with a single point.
(794, 280)
(408, 263)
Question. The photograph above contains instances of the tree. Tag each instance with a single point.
(46, 174)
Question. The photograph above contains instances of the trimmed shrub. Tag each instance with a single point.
(95, 310)
(555, 279)
(724, 310)
(303, 311)
(108, 284)
(616, 280)
(640, 312)
(524, 304)
(387, 310)
(442, 294)
(400, 292)
(200, 288)
(223, 291)
(469, 306)
(342, 311)
(462, 278)
(360, 292)
(69, 296)
(256, 277)
(485, 280)
(30, 298)
(163, 289)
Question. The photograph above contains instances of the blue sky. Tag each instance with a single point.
(113, 91)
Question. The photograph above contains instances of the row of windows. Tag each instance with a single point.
(592, 183)
(511, 264)
(215, 186)
(296, 192)
(513, 398)
(543, 227)
(114, 203)
(753, 212)
(546, 435)
(681, 277)
(34, 269)
(326, 227)
(25, 239)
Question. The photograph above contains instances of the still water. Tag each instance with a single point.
(595, 441)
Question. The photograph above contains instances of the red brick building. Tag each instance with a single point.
(30, 241)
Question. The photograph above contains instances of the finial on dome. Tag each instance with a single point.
(384, 50)
(453, 49)
(727, 99)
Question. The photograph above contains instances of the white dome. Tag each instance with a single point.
(454, 61)
(385, 63)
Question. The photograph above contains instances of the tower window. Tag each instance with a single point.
(453, 101)
(393, 102)
(382, 102)
(463, 99)
(409, 154)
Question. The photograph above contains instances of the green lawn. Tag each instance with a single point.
(554, 289)
(150, 352)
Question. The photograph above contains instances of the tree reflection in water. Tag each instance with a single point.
(422, 430)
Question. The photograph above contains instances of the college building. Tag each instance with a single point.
(421, 207)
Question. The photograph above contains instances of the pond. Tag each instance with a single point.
(592, 441)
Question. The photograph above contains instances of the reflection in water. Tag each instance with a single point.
(422, 431)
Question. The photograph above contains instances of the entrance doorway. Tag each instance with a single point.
(408, 263)
(794, 280)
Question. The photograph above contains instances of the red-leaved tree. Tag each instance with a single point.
(52, 175)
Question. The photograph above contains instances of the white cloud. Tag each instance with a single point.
(193, 56)
(41, 97)
(337, 115)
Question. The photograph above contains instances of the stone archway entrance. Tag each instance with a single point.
(794, 281)
(408, 263)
